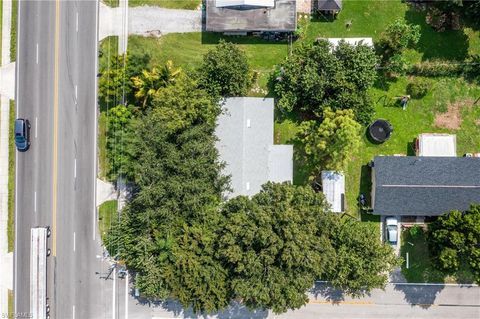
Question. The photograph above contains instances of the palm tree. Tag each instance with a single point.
(149, 83)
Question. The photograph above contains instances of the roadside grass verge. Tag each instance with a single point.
(108, 48)
(107, 211)
(13, 32)
(169, 4)
(421, 265)
(10, 302)
(102, 146)
(111, 3)
(11, 181)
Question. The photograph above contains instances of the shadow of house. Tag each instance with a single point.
(422, 296)
(438, 45)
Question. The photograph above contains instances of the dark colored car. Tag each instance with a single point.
(22, 136)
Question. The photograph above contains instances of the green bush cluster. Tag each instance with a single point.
(436, 69)
(418, 88)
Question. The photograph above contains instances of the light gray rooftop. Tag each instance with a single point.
(281, 17)
(245, 133)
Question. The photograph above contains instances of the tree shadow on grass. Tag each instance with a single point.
(383, 81)
(447, 45)
(214, 38)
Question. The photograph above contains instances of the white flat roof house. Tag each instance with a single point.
(245, 143)
(431, 144)
(351, 41)
(333, 187)
(251, 3)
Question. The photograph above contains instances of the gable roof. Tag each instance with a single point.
(329, 5)
(245, 144)
(424, 186)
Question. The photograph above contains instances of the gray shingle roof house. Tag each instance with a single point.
(245, 143)
(250, 15)
(424, 186)
(328, 5)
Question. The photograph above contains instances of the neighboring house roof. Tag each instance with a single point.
(351, 41)
(333, 187)
(437, 145)
(424, 186)
(281, 16)
(254, 3)
(329, 5)
(245, 133)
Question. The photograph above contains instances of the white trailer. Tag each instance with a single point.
(38, 273)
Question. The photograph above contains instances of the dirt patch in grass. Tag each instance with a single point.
(452, 119)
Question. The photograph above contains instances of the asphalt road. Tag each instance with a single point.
(397, 301)
(56, 72)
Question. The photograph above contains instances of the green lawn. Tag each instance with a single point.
(421, 264)
(107, 211)
(187, 49)
(170, 4)
(370, 18)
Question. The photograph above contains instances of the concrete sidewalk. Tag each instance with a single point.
(6, 258)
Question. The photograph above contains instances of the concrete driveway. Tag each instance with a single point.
(148, 21)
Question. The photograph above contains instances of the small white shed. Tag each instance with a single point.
(333, 187)
(431, 144)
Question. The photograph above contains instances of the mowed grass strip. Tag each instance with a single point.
(107, 211)
(168, 4)
(11, 180)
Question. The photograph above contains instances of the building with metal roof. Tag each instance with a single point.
(241, 16)
(424, 186)
(245, 143)
(434, 144)
(333, 187)
(328, 5)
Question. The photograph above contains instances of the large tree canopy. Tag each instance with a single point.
(454, 238)
(167, 231)
(362, 262)
(276, 245)
(319, 76)
(332, 143)
(225, 70)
